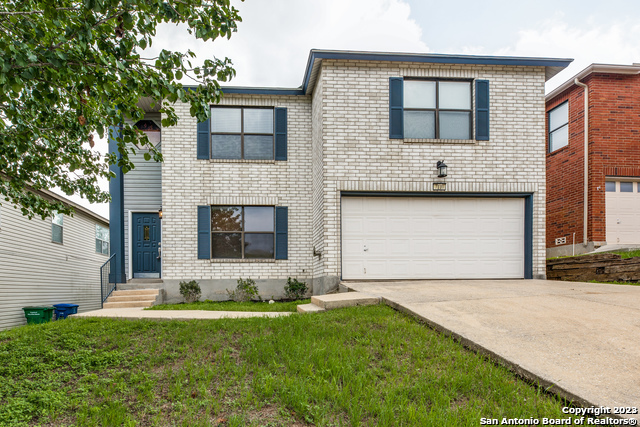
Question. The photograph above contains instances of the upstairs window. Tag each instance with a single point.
(242, 133)
(437, 109)
(559, 126)
(56, 228)
(102, 240)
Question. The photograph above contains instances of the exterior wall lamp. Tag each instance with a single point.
(160, 213)
(442, 169)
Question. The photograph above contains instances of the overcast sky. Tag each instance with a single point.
(272, 44)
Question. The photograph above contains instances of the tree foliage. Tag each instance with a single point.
(74, 68)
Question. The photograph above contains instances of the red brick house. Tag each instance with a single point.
(612, 187)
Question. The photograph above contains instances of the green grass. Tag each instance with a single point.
(623, 254)
(233, 306)
(349, 367)
(616, 283)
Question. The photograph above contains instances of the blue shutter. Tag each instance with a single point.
(396, 109)
(281, 133)
(282, 231)
(204, 232)
(204, 133)
(482, 110)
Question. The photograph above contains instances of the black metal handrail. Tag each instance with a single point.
(108, 278)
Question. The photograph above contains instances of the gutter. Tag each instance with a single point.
(586, 156)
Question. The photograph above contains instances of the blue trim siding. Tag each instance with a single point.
(204, 140)
(482, 110)
(204, 232)
(261, 91)
(396, 108)
(282, 232)
(429, 58)
(280, 115)
(116, 209)
(528, 213)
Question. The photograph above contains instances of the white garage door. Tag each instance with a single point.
(432, 238)
(623, 212)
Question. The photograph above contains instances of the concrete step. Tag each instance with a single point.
(128, 304)
(310, 308)
(345, 299)
(128, 298)
(129, 292)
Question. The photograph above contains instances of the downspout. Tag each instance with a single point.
(586, 156)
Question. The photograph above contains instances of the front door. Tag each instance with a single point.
(146, 238)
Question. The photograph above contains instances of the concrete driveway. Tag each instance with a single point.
(582, 339)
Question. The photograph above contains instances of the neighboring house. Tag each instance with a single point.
(52, 261)
(612, 131)
(337, 180)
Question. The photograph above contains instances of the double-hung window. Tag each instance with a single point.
(56, 228)
(242, 133)
(102, 240)
(559, 126)
(243, 232)
(437, 109)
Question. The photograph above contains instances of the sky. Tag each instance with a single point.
(273, 41)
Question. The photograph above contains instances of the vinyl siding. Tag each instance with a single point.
(142, 193)
(36, 271)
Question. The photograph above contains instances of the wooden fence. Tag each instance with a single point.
(600, 267)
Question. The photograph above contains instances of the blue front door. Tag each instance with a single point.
(146, 238)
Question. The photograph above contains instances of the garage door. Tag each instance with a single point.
(432, 238)
(623, 212)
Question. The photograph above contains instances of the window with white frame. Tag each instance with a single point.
(437, 109)
(559, 126)
(243, 232)
(242, 133)
(56, 228)
(102, 240)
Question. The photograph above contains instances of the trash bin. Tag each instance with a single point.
(63, 310)
(38, 314)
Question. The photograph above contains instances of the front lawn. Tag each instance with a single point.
(291, 306)
(348, 367)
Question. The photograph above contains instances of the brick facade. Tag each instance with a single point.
(614, 151)
(338, 140)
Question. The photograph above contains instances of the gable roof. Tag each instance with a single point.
(552, 66)
(594, 68)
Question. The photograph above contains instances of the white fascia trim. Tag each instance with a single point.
(594, 68)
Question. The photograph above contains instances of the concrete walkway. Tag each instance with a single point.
(583, 339)
(140, 313)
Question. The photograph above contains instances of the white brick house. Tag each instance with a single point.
(337, 179)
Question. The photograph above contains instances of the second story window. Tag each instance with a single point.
(56, 228)
(559, 126)
(242, 133)
(437, 109)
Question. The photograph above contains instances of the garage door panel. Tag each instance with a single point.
(623, 213)
(422, 238)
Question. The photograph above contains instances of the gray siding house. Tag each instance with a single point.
(339, 180)
(46, 262)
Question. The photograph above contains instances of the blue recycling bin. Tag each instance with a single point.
(63, 310)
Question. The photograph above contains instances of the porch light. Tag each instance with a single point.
(442, 169)
(160, 214)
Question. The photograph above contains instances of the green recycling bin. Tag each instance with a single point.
(38, 314)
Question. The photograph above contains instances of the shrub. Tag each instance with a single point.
(245, 291)
(190, 291)
(295, 289)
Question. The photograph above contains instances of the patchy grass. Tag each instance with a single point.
(628, 254)
(234, 306)
(349, 367)
(623, 254)
(616, 283)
